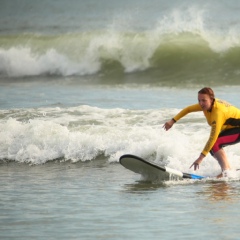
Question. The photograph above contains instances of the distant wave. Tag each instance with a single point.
(180, 46)
(90, 53)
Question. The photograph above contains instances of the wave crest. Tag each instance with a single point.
(177, 42)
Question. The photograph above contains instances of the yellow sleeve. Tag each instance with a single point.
(185, 111)
(216, 126)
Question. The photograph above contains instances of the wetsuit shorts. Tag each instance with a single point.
(228, 137)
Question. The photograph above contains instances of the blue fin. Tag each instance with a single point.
(193, 176)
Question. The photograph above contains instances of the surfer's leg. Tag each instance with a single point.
(227, 137)
(222, 159)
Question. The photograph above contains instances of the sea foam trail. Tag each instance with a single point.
(87, 133)
(176, 41)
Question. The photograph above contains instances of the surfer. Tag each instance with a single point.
(224, 120)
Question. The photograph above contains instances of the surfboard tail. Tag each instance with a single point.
(192, 176)
(183, 175)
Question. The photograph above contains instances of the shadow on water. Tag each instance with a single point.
(144, 186)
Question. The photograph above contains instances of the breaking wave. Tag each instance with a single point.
(178, 42)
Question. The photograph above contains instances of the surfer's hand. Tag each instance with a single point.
(196, 165)
(168, 124)
(197, 162)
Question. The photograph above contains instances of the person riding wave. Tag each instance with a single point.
(224, 120)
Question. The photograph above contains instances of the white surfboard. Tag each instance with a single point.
(151, 170)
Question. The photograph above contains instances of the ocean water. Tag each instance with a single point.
(84, 82)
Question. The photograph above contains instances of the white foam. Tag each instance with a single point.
(196, 21)
(22, 61)
(85, 133)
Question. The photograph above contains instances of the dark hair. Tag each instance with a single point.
(208, 91)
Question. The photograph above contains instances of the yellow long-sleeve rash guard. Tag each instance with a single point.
(222, 116)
